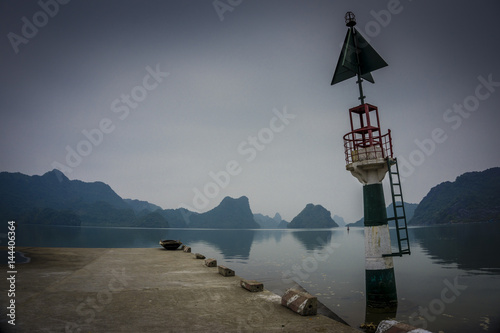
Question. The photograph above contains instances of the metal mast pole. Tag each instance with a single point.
(350, 21)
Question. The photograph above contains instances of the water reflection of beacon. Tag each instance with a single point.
(368, 155)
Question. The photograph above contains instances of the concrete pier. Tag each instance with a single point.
(141, 290)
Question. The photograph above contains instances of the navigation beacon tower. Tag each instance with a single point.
(369, 156)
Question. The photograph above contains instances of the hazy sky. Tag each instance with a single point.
(158, 98)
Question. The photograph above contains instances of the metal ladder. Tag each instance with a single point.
(399, 210)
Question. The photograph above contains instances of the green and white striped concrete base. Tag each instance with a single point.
(379, 276)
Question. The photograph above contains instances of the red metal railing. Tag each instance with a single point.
(362, 147)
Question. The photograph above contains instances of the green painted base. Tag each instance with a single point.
(381, 289)
(374, 205)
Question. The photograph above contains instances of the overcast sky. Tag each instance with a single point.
(157, 98)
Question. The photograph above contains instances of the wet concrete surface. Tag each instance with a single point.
(141, 290)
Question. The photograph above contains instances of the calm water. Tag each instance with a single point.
(451, 282)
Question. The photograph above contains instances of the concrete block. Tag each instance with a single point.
(187, 249)
(199, 256)
(224, 271)
(300, 302)
(252, 285)
(210, 262)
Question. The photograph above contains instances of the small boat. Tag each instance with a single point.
(170, 244)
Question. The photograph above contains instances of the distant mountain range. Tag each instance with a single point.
(54, 199)
(339, 220)
(141, 207)
(472, 197)
(409, 211)
(267, 222)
